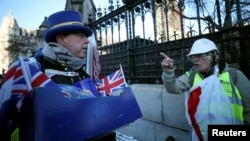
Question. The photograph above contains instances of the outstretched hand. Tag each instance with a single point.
(167, 63)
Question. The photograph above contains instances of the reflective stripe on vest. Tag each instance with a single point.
(231, 91)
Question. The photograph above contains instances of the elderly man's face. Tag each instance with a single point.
(76, 43)
(202, 62)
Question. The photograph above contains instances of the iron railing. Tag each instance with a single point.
(140, 56)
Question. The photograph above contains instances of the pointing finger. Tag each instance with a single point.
(164, 55)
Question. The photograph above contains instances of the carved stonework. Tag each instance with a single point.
(12, 41)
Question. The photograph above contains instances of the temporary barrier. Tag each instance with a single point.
(49, 116)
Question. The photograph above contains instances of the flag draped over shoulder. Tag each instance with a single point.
(208, 104)
(111, 83)
(20, 78)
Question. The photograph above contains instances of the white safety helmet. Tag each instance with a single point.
(202, 46)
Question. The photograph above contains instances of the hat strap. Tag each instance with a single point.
(67, 23)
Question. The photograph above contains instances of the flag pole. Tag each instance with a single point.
(26, 77)
(123, 75)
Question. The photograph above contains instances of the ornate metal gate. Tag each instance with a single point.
(122, 41)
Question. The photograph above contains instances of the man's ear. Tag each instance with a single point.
(60, 39)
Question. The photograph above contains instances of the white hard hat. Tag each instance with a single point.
(202, 46)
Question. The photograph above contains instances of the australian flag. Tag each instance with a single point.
(111, 83)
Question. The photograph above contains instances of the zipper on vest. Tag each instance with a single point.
(72, 80)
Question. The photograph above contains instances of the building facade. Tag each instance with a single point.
(15, 41)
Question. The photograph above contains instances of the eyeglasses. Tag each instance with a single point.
(198, 55)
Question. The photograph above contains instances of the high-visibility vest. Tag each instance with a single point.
(231, 91)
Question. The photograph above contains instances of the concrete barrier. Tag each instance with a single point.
(163, 115)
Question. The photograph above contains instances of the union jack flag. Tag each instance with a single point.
(20, 79)
(112, 82)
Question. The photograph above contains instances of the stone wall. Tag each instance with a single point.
(163, 115)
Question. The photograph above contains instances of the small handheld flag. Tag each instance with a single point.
(112, 82)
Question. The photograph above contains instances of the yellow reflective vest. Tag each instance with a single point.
(231, 91)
